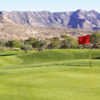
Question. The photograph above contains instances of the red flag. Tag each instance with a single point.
(84, 39)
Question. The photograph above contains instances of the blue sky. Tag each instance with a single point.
(49, 5)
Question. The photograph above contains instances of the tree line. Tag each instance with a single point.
(64, 42)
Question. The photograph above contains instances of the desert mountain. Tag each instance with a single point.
(87, 20)
(22, 25)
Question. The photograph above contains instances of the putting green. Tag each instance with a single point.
(50, 75)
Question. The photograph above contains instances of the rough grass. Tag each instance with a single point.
(50, 75)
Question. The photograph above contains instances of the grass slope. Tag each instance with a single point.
(49, 75)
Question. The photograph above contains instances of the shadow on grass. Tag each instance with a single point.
(7, 55)
(97, 58)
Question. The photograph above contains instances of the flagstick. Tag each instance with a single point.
(91, 69)
(86, 40)
(90, 57)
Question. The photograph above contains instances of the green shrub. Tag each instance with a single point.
(14, 43)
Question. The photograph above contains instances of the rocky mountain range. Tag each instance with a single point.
(87, 20)
(22, 25)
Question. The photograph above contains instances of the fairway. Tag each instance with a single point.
(50, 75)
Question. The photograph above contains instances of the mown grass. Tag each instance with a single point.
(50, 75)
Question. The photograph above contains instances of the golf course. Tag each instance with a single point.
(65, 74)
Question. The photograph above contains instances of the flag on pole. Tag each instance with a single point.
(84, 39)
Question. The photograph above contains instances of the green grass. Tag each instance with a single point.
(50, 75)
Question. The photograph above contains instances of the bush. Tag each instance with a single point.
(95, 40)
(26, 48)
(55, 43)
(69, 42)
(14, 43)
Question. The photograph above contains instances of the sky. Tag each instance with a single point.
(49, 5)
